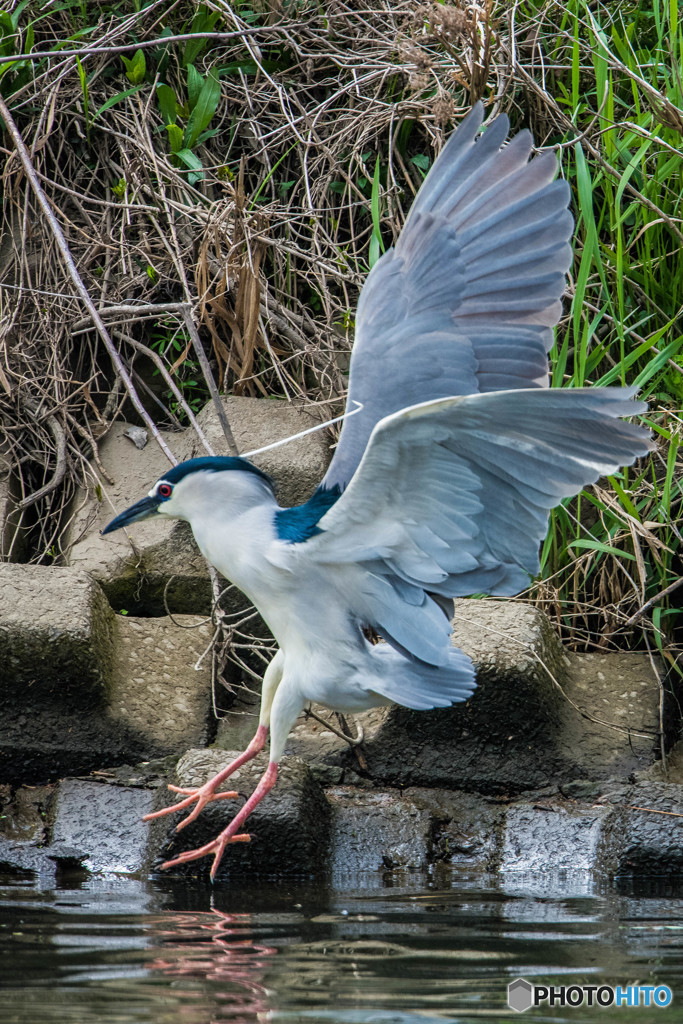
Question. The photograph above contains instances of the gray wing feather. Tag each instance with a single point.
(420, 686)
(467, 300)
(452, 497)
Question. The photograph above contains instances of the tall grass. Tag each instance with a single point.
(612, 90)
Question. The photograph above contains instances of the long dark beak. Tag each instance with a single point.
(143, 509)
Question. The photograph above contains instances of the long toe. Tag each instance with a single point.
(215, 847)
(203, 796)
(207, 793)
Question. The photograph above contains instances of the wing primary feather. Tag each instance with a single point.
(449, 161)
(484, 249)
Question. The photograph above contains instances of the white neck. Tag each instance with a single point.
(232, 515)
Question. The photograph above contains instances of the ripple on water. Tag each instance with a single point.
(398, 950)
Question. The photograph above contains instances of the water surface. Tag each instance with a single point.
(399, 950)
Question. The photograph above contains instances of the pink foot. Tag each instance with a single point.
(231, 833)
(207, 794)
(204, 795)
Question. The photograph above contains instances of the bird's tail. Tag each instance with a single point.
(416, 685)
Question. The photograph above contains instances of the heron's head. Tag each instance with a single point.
(199, 487)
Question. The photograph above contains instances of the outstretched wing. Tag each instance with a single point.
(452, 497)
(467, 300)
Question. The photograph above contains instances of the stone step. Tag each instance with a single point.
(81, 687)
(104, 823)
(622, 830)
(56, 630)
(290, 828)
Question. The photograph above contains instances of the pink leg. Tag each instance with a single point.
(229, 834)
(207, 793)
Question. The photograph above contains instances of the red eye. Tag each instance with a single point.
(164, 490)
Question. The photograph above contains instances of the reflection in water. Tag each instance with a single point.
(216, 948)
(413, 952)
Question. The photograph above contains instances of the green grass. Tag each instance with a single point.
(615, 86)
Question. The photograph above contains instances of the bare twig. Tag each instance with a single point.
(654, 810)
(77, 279)
(353, 741)
(652, 602)
(208, 377)
(132, 312)
(143, 44)
(60, 469)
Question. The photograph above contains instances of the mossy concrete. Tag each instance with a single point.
(81, 687)
(644, 833)
(56, 631)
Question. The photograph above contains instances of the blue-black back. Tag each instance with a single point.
(297, 524)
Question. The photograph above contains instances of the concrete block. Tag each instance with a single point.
(610, 721)
(23, 858)
(81, 687)
(133, 567)
(643, 835)
(376, 831)
(624, 830)
(507, 640)
(104, 822)
(55, 633)
(465, 829)
(159, 703)
(551, 838)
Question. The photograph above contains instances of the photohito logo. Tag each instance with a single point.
(522, 995)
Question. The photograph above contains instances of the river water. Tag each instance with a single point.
(392, 949)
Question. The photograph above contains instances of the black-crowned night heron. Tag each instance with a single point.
(442, 483)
